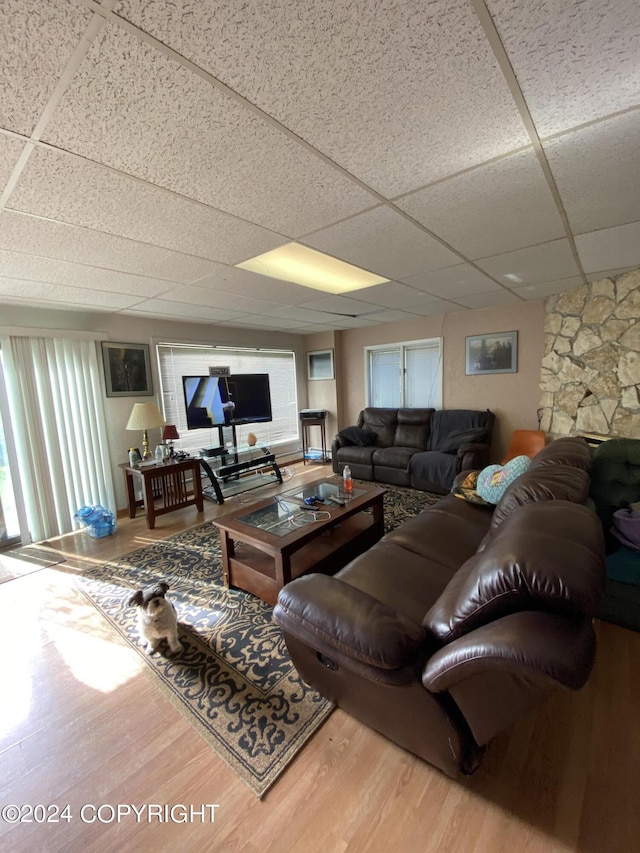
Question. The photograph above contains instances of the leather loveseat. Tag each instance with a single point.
(461, 619)
(422, 448)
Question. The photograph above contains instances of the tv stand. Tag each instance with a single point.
(234, 477)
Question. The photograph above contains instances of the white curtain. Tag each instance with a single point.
(55, 401)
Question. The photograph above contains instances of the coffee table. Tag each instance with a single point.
(269, 543)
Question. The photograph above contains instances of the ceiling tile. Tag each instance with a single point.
(394, 294)
(63, 187)
(389, 315)
(282, 324)
(57, 240)
(10, 150)
(495, 208)
(610, 249)
(539, 291)
(37, 38)
(534, 265)
(356, 322)
(431, 309)
(16, 265)
(225, 301)
(488, 300)
(383, 242)
(459, 280)
(600, 274)
(340, 305)
(62, 293)
(51, 305)
(181, 133)
(422, 75)
(597, 170)
(575, 62)
(162, 308)
(227, 279)
(304, 315)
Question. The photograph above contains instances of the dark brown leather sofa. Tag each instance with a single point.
(422, 448)
(462, 618)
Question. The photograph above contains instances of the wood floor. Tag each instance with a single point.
(82, 724)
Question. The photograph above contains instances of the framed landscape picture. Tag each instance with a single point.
(320, 364)
(495, 353)
(127, 370)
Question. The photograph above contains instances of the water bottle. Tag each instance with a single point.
(346, 479)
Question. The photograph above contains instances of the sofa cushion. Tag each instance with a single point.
(446, 421)
(392, 457)
(547, 483)
(457, 438)
(494, 480)
(571, 451)
(357, 436)
(433, 467)
(382, 422)
(447, 533)
(413, 428)
(403, 580)
(545, 556)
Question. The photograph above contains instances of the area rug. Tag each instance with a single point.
(234, 681)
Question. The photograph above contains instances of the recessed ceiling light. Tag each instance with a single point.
(310, 268)
(512, 277)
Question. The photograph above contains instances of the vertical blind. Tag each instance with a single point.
(58, 423)
(178, 360)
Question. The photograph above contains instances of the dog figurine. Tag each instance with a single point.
(157, 619)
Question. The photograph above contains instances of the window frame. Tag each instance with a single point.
(403, 346)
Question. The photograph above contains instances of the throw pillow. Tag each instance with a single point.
(456, 439)
(494, 480)
(357, 436)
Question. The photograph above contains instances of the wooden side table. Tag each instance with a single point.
(164, 487)
(305, 423)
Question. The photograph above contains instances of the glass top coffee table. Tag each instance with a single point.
(277, 539)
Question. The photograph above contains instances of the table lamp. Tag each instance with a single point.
(169, 433)
(145, 416)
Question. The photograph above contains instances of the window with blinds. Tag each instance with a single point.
(178, 360)
(405, 374)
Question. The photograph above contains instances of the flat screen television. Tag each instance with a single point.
(214, 401)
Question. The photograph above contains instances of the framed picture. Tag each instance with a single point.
(127, 370)
(320, 364)
(496, 353)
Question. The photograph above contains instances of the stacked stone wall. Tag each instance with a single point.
(591, 368)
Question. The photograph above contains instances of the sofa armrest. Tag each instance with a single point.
(473, 457)
(349, 626)
(501, 670)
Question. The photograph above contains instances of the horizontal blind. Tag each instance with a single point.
(384, 378)
(422, 376)
(178, 360)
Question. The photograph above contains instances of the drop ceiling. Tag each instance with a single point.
(474, 153)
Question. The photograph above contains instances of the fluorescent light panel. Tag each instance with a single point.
(310, 268)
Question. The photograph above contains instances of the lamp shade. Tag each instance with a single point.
(145, 416)
(169, 433)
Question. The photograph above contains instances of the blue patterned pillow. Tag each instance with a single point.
(493, 481)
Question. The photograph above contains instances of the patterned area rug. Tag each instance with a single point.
(234, 680)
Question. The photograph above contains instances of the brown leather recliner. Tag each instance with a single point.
(461, 619)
